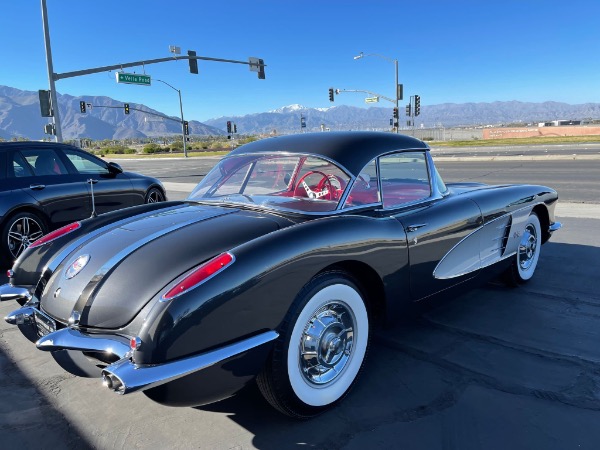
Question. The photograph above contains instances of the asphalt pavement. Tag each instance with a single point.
(495, 368)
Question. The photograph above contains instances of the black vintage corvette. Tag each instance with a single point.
(276, 268)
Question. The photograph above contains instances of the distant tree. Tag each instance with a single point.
(151, 148)
(177, 145)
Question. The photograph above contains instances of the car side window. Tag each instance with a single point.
(20, 167)
(45, 162)
(365, 190)
(86, 164)
(404, 178)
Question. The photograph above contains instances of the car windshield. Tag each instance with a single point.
(301, 183)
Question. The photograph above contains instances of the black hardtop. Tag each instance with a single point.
(351, 149)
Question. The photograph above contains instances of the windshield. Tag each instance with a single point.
(301, 183)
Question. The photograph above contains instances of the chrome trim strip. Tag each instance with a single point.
(57, 260)
(109, 265)
(125, 377)
(10, 292)
(73, 339)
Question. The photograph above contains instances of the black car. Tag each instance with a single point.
(276, 268)
(46, 185)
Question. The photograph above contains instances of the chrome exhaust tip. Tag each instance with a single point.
(113, 383)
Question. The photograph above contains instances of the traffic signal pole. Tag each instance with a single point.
(53, 98)
(256, 65)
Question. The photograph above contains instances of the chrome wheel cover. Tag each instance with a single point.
(528, 247)
(22, 233)
(327, 343)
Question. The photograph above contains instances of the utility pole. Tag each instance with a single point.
(53, 98)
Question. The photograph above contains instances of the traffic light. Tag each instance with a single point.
(395, 113)
(186, 127)
(193, 62)
(234, 128)
(408, 110)
(229, 126)
(126, 106)
(45, 103)
(330, 94)
(261, 69)
(82, 107)
(417, 105)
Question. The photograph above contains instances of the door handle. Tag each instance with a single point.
(415, 227)
(37, 187)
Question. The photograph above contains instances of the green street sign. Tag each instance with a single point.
(133, 78)
(372, 100)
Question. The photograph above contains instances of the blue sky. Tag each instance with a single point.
(448, 51)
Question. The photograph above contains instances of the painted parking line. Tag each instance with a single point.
(179, 187)
(578, 210)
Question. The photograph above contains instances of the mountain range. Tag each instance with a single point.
(106, 119)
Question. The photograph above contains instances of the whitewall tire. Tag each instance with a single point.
(321, 349)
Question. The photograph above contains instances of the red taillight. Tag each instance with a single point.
(202, 273)
(55, 234)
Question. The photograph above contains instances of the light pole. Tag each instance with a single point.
(181, 111)
(396, 85)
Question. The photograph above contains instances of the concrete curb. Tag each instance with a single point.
(516, 158)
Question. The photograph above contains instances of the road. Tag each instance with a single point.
(495, 368)
(576, 179)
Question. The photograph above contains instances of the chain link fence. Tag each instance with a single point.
(444, 134)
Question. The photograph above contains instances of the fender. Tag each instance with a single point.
(256, 291)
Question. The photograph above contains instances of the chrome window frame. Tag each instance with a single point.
(351, 179)
(436, 194)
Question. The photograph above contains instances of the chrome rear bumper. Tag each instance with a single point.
(10, 292)
(125, 377)
(73, 339)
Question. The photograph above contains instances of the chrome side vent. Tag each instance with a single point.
(506, 235)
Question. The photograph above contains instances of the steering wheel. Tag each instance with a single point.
(328, 193)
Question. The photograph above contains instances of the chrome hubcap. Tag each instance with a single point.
(527, 247)
(327, 343)
(21, 234)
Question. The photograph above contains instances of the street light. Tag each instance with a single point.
(396, 86)
(182, 121)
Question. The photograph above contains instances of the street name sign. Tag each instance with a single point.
(133, 78)
(372, 100)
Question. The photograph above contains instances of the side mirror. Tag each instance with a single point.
(114, 168)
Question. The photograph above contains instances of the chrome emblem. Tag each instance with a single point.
(77, 266)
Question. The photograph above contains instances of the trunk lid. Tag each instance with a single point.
(128, 265)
